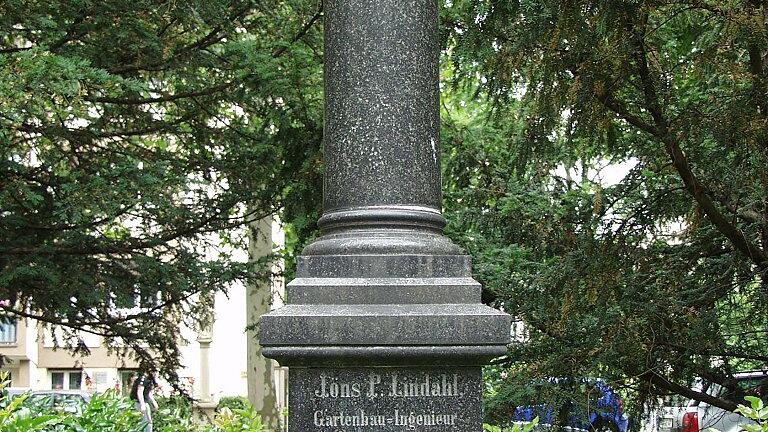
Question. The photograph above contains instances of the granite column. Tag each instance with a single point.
(384, 328)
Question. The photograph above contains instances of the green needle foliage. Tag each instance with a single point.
(646, 280)
(135, 136)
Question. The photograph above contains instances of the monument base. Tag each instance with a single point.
(384, 343)
(382, 399)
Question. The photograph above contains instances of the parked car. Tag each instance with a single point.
(10, 393)
(14, 392)
(70, 401)
(696, 416)
(601, 409)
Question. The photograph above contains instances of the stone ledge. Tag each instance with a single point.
(315, 356)
(384, 266)
(385, 324)
(458, 290)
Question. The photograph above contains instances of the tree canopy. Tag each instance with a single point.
(654, 277)
(137, 135)
(134, 137)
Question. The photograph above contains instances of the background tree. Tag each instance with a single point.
(133, 137)
(646, 280)
(125, 127)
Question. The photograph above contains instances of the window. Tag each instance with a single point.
(75, 380)
(7, 330)
(99, 378)
(126, 380)
(66, 380)
(748, 386)
(57, 380)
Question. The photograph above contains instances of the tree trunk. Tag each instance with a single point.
(261, 385)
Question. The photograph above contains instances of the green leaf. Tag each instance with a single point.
(756, 402)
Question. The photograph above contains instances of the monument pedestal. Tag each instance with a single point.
(373, 350)
(386, 399)
(384, 329)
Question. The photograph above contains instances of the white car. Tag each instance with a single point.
(71, 401)
(696, 416)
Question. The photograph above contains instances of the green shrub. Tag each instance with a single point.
(174, 414)
(179, 424)
(233, 414)
(15, 418)
(110, 412)
(177, 404)
(757, 411)
(106, 412)
(233, 403)
(238, 420)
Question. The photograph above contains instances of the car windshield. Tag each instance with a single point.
(748, 386)
(38, 401)
(38, 398)
(68, 399)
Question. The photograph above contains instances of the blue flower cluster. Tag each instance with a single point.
(606, 409)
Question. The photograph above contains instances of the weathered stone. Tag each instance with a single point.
(388, 355)
(383, 266)
(389, 324)
(386, 399)
(383, 292)
(382, 105)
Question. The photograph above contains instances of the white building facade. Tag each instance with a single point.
(214, 363)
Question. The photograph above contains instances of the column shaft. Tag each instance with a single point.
(382, 121)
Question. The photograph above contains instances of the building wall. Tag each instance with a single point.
(34, 356)
(20, 356)
(17, 350)
(228, 346)
(226, 350)
(51, 358)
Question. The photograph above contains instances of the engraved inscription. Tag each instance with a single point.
(428, 385)
(397, 418)
(385, 399)
(442, 386)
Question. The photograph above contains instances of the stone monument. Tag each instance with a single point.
(384, 329)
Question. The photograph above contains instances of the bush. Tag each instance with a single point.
(110, 412)
(238, 420)
(757, 411)
(15, 418)
(106, 412)
(233, 414)
(174, 414)
(177, 404)
(233, 403)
